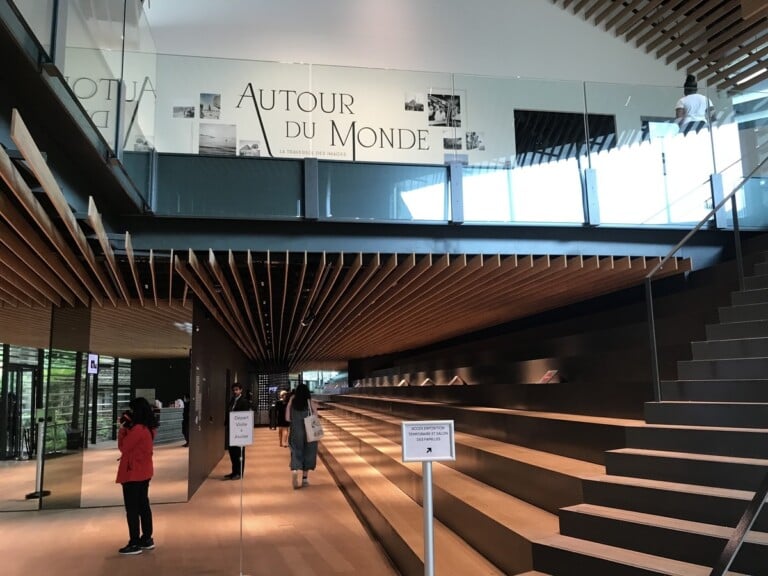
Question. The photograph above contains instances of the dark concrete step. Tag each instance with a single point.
(715, 390)
(720, 414)
(744, 313)
(728, 441)
(725, 369)
(496, 524)
(548, 481)
(760, 268)
(566, 556)
(731, 330)
(730, 349)
(705, 504)
(743, 297)
(572, 435)
(683, 540)
(701, 469)
(756, 281)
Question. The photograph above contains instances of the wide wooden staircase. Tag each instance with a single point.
(535, 492)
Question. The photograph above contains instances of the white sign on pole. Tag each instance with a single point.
(428, 440)
(241, 428)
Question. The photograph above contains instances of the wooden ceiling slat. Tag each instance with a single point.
(215, 296)
(94, 218)
(42, 295)
(39, 265)
(27, 276)
(37, 164)
(640, 20)
(695, 41)
(343, 298)
(25, 230)
(365, 274)
(291, 321)
(202, 294)
(18, 294)
(134, 269)
(713, 43)
(233, 309)
(153, 276)
(627, 12)
(235, 272)
(258, 297)
(667, 27)
(320, 272)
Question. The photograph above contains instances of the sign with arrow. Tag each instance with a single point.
(428, 440)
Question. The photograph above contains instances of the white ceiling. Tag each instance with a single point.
(527, 38)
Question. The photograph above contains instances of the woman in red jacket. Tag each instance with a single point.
(134, 439)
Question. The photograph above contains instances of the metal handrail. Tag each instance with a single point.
(739, 265)
(733, 545)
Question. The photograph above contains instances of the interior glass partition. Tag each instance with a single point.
(654, 174)
(525, 150)
(39, 16)
(93, 61)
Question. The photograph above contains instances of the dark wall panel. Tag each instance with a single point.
(168, 376)
(216, 363)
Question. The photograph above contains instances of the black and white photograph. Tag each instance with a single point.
(250, 148)
(183, 111)
(210, 106)
(451, 140)
(445, 110)
(414, 102)
(141, 144)
(475, 141)
(218, 139)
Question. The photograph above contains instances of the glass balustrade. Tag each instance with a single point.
(531, 151)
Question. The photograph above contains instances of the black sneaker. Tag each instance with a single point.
(130, 549)
(147, 544)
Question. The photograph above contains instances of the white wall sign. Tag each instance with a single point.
(93, 363)
(428, 440)
(241, 428)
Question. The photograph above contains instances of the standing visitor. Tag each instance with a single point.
(283, 424)
(693, 110)
(238, 403)
(303, 453)
(134, 440)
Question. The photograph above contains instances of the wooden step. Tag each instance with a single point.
(498, 525)
(730, 348)
(563, 555)
(719, 414)
(702, 469)
(396, 520)
(547, 480)
(707, 504)
(683, 540)
(572, 435)
(754, 390)
(724, 441)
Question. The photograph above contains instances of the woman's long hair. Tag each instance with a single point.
(142, 413)
(301, 397)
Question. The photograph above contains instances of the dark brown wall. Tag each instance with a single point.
(216, 362)
(601, 348)
(169, 377)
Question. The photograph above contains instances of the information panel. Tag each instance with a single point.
(241, 428)
(428, 440)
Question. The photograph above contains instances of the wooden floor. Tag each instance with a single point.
(307, 532)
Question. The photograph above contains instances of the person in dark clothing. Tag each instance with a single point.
(135, 439)
(282, 423)
(238, 403)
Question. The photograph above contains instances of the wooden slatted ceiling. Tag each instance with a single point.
(723, 43)
(288, 310)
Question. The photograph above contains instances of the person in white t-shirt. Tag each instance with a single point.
(693, 111)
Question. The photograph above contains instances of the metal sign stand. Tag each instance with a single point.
(425, 441)
(39, 492)
(241, 434)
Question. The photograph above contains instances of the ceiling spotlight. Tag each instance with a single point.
(308, 319)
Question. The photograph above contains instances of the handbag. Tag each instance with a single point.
(313, 426)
